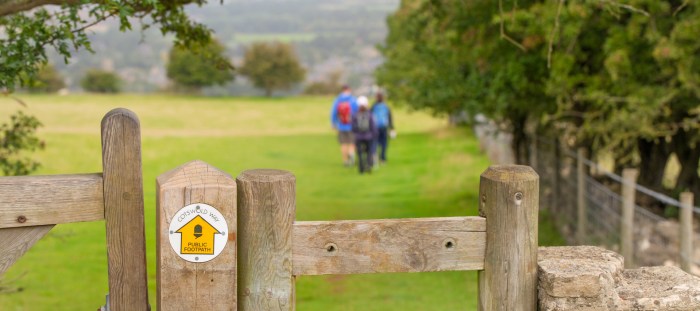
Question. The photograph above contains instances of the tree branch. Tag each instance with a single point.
(554, 32)
(9, 7)
(504, 35)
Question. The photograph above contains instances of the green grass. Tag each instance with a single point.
(433, 171)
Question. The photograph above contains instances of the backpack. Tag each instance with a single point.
(363, 122)
(344, 112)
(381, 115)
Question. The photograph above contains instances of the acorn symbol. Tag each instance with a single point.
(197, 231)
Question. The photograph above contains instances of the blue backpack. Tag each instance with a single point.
(381, 115)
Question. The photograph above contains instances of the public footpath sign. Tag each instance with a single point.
(198, 232)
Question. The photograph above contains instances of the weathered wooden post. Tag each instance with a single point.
(556, 172)
(581, 213)
(687, 232)
(510, 202)
(629, 176)
(123, 206)
(266, 212)
(196, 232)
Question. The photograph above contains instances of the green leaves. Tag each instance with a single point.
(272, 66)
(28, 34)
(199, 66)
(604, 74)
(17, 137)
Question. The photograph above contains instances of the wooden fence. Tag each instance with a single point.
(260, 248)
(31, 205)
(267, 248)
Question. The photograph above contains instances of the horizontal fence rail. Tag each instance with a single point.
(388, 245)
(48, 200)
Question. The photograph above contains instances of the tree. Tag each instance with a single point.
(618, 79)
(48, 80)
(466, 68)
(199, 67)
(629, 85)
(16, 138)
(272, 66)
(29, 28)
(99, 81)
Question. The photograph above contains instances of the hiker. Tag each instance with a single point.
(385, 126)
(344, 107)
(364, 129)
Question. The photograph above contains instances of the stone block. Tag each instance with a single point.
(658, 288)
(587, 278)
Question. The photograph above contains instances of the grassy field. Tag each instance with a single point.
(433, 171)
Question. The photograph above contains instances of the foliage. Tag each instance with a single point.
(199, 66)
(48, 80)
(272, 66)
(331, 85)
(100, 81)
(28, 29)
(619, 79)
(16, 138)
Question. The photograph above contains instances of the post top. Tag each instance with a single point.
(510, 173)
(195, 173)
(630, 173)
(266, 175)
(120, 112)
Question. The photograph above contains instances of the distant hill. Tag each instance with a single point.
(328, 35)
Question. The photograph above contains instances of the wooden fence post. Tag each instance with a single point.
(123, 199)
(187, 281)
(510, 202)
(556, 173)
(629, 175)
(581, 213)
(687, 232)
(266, 212)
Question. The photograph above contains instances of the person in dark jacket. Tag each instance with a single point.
(385, 126)
(365, 131)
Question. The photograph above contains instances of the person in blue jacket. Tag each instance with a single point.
(385, 126)
(344, 108)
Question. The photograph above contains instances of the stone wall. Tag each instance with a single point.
(588, 278)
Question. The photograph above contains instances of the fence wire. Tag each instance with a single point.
(656, 239)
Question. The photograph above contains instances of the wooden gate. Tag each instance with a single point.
(267, 248)
(31, 205)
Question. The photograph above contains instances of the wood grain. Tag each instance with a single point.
(687, 233)
(389, 245)
(184, 285)
(14, 242)
(509, 201)
(266, 210)
(123, 196)
(47, 200)
(627, 220)
(581, 213)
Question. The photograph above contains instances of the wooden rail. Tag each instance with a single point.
(388, 245)
(48, 200)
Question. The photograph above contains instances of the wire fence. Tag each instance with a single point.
(655, 239)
